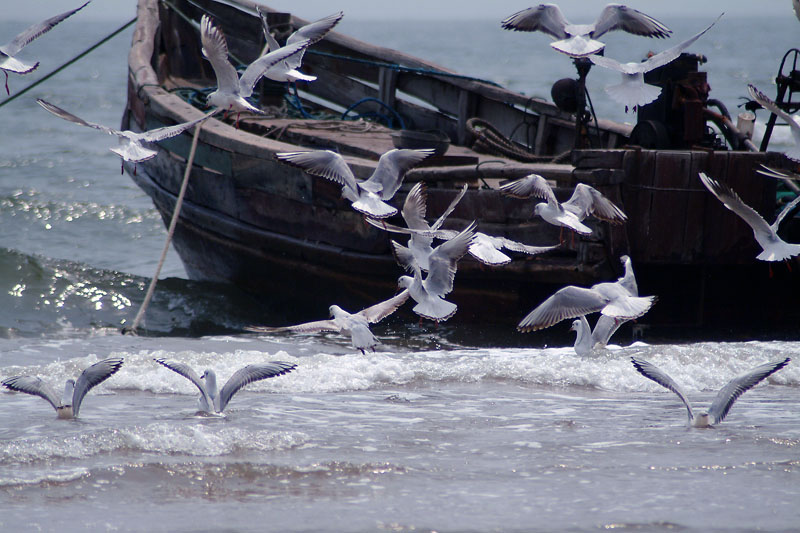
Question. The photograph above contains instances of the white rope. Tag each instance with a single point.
(174, 222)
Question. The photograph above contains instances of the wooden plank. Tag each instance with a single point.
(695, 209)
(637, 196)
(719, 224)
(668, 208)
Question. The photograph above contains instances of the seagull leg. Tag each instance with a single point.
(788, 264)
(7, 91)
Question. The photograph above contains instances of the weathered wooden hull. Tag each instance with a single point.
(277, 232)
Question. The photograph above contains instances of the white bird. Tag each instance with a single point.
(792, 120)
(356, 325)
(231, 89)
(70, 403)
(579, 40)
(430, 292)
(613, 300)
(633, 92)
(421, 234)
(9, 63)
(773, 247)
(287, 70)
(585, 200)
(725, 397)
(213, 401)
(132, 146)
(586, 339)
(370, 196)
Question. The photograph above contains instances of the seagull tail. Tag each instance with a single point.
(633, 94)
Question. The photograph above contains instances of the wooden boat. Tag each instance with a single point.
(277, 232)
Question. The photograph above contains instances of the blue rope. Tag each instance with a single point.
(400, 68)
(389, 121)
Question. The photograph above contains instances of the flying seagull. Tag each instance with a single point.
(633, 92)
(9, 63)
(579, 40)
(356, 325)
(70, 403)
(793, 121)
(613, 300)
(429, 293)
(213, 401)
(231, 89)
(132, 146)
(585, 201)
(370, 196)
(773, 247)
(725, 397)
(287, 70)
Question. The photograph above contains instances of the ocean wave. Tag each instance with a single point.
(697, 367)
(170, 438)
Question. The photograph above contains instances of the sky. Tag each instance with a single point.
(577, 11)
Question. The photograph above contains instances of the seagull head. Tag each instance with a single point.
(405, 281)
(538, 208)
(575, 325)
(335, 311)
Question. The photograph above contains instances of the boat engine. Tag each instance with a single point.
(677, 118)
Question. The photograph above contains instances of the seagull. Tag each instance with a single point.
(370, 196)
(213, 401)
(613, 300)
(587, 339)
(421, 234)
(287, 70)
(778, 174)
(356, 325)
(633, 92)
(793, 121)
(585, 200)
(231, 89)
(131, 143)
(429, 293)
(9, 63)
(725, 397)
(773, 247)
(579, 40)
(70, 404)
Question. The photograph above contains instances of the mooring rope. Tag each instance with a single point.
(68, 63)
(170, 232)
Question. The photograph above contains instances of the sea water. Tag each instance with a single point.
(456, 428)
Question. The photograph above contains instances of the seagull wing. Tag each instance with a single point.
(546, 18)
(313, 33)
(670, 54)
(612, 64)
(159, 134)
(91, 377)
(307, 327)
(439, 221)
(732, 201)
(391, 169)
(531, 185)
(187, 372)
(249, 374)
(256, 70)
(778, 174)
(785, 211)
(316, 30)
(739, 385)
(568, 302)
(651, 371)
(32, 32)
(415, 207)
(322, 163)
(381, 310)
(515, 246)
(444, 262)
(619, 17)
(57, 111)
(768, 104)
(271, 43)
(587, 200)
(33, 385)
(215, 48)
